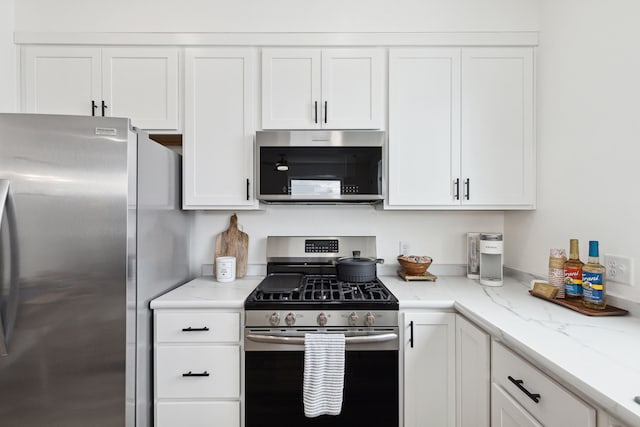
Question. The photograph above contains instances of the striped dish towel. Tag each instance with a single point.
(323, 374)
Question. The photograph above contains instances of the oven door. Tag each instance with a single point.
(274, 367)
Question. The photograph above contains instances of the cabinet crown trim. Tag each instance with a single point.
(488, 38)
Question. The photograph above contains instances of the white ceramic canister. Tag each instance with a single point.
(226, 268)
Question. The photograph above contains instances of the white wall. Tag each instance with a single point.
(442, 235)
(275, 15)
(588, 136)
(8, 70)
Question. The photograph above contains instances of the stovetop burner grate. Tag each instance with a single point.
(324, 289)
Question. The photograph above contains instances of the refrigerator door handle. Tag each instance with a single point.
(8, 316)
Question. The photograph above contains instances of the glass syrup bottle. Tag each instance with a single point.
(573, 272)
(593, 280)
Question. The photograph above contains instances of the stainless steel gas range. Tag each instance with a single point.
(301, 295)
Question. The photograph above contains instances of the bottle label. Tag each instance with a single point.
(573, 281)
(592, 287)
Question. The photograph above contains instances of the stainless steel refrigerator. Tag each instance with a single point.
(91, 230)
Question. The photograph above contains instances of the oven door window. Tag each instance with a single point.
(274, 390)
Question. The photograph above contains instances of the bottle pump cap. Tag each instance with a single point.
(593, 248)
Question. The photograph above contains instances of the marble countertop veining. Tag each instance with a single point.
(597, 358)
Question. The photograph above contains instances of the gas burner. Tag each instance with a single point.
(318, 291)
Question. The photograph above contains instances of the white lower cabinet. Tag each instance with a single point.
(606, 420)
(429, 369)
(197, 363)
(524, 396)
(473, 381)
(197, 414)
(506, 412)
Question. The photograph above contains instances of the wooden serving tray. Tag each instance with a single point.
(576, 305)
(426, 276)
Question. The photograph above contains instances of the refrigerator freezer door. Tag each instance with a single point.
(66, 360)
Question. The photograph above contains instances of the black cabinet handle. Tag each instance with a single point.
(315, 111)
(533, 396)
(325, 112)
(197, 374)
(467, 189)
(248, 184)
(457, 184)
(190, 329)
(411, 334)
(104, 107)
(93, 107)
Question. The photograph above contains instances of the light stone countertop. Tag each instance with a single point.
(598, 358)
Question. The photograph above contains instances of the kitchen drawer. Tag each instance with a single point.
(505, 412)
(221, 363)
(198, 414)
(555, 407)
(197, 326)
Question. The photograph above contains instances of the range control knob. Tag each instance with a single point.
(322, 319)
(369, 319)
(274, 319)
(290, 319)
(353, 319)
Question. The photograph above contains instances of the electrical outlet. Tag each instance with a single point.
(619, 268)
(404, 247)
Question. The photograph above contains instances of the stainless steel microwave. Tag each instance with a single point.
(326, 167)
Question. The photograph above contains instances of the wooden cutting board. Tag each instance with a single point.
(233, 242)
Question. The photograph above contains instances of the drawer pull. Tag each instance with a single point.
(533, 396)
(200, 374)
(190, 329)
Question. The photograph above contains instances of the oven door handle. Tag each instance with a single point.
(365, 339)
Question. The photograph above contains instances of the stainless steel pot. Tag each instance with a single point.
(357, 269)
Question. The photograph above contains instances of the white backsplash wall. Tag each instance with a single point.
(441, 235)
(588, 137)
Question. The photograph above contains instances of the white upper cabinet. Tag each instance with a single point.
(424, 126)
(142, 83)
(461, 128)
(322, 88)
(139, 83)
(62, 80)
(291, 88)
(498, 153)
(219, 128)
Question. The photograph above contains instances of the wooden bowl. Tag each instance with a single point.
(414, 265)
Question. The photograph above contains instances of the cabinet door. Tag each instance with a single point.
(218, 138)
(429, 369)
(506, 412)
(497, 126)
(473, 374)
(352, 88)
(198, 414)
(142, 84)
(424, 127)
(291, 89)
(61, 80)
